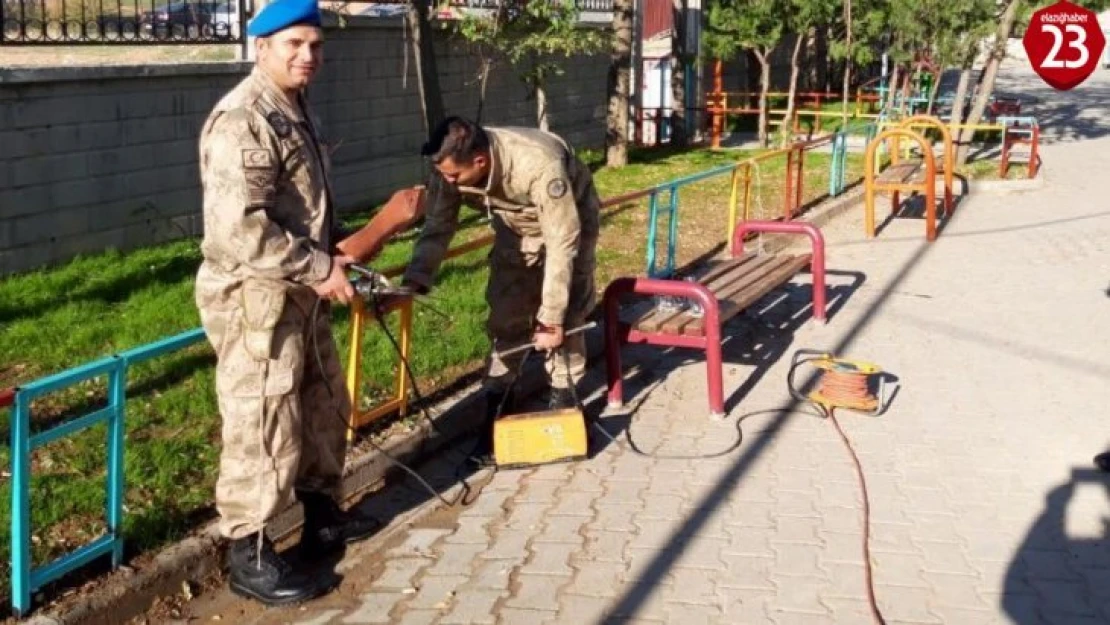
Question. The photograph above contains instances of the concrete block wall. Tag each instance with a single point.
(106, 157)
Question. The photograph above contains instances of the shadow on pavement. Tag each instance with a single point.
(1053, 573)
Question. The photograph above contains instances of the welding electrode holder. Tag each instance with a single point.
(370, 284)
(527, 346)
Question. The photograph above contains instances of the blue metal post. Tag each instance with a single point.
(653, 214)
(21, 505)
(672, 238)
(117, 400)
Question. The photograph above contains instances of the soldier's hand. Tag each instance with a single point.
(548, 338)
(337, 287)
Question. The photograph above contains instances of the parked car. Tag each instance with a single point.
(192, 19)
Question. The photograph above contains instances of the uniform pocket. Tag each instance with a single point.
(279, 380)
(262, 302)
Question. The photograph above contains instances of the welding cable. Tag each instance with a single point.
(347, 426)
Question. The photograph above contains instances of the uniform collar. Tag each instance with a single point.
(277, 97)
(497, 161)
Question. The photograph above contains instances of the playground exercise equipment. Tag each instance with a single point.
(719, 291)
(718, 108)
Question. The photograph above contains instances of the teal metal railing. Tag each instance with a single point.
(26, 578)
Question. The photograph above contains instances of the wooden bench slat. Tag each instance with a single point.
(675, 324)
(900, 173)
(782, 274)
(715, 269)
(656, 319)
(749, 279)
(755, 265)
(731, 306)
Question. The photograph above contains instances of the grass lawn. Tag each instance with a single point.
(97, 305)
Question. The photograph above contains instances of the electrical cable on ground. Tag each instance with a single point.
(845, 384)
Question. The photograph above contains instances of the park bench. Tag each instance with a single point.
(910, 175)
(719, 291)
(1021, 138)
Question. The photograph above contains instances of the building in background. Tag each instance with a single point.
(652, 92)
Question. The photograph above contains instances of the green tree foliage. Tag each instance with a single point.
(756, 25)
(531, 35)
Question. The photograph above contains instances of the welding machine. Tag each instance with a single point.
(542, 437)
(532, 438)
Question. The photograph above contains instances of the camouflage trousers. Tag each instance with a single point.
(284, 412)
(514, 294)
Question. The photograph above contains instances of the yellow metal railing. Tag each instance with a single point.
(402, 384)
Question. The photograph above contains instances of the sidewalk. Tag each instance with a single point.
(985, 506)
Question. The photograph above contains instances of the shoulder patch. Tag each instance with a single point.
(280, 124)
(257, 159)
(557, 188)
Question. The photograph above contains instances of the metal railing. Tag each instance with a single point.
(127, 22)
(158, 22)
(583, 5)
(26, 578)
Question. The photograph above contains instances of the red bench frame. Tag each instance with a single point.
(618, 333)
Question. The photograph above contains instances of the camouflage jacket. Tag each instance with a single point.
(542, 204)
(267, 210)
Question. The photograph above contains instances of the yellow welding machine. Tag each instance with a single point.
(532, 438)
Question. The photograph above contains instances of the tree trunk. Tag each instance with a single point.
(541, 106)
(847, 63)
(795, 69)
(829, 69)
(907, 78)
(679, 134)
(891, 94)
(752, 67)
(431, 96)
(815, 57)
(933, 90)
(990, 72)
(483, 81)
(957, 114)
(620, 61)
(764, 88)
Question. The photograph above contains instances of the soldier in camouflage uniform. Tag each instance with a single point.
(544, 211)
(264, 290)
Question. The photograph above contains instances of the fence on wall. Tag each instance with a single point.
(163, 22)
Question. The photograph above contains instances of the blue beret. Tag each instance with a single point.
(281, 14)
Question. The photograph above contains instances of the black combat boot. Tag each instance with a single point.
(327, 527)
(263, 575)
(497, 403)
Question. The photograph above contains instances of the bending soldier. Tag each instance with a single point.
(544, 211)
(271, 270)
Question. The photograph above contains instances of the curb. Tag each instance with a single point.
(1008, 186)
